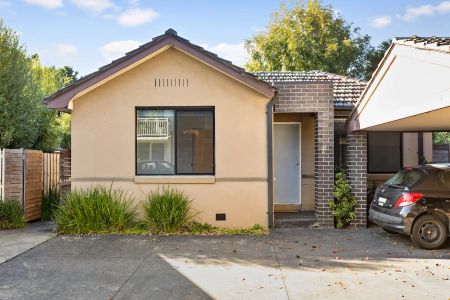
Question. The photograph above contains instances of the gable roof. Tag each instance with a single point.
(60, 100)
(346, 90)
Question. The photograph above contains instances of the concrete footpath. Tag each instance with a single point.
(287, 264)
(15, 242)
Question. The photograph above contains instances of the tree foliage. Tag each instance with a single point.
(374, 56)
(306, 37)
(25, 122)
(441, 137)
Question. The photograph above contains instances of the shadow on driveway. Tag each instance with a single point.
(288, 263)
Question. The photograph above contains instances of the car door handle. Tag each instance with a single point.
(448, 200)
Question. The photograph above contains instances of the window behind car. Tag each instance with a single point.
(384, 152)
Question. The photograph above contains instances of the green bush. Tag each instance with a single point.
(11, 215)
(344, 203)
(50, 202)
(208, 229)
(167, 211)
(95, 210)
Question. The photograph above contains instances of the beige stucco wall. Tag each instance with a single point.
(410, 148)
(307, 155)
(103, 137)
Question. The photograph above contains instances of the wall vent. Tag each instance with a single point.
(221, 217)
(171, 82)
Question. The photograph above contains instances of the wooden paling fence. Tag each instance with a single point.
(26, 174)
(51, 171)
(441, 153)
(65, 171)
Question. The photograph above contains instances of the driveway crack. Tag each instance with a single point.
(135, 270)
(280, 270)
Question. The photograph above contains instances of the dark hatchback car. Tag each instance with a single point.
(415, 202)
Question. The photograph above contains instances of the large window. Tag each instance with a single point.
(174, 141)
(384, 152)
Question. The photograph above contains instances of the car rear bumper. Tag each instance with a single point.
(390, 222)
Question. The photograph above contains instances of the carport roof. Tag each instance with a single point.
(410, 90)
(431, 43)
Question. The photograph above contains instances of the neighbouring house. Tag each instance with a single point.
(242, 145)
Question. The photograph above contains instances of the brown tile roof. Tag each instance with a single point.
(346, 90)
(61, 98)
(431, 43)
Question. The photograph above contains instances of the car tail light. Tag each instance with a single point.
(408, 199)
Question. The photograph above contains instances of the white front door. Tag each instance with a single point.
(287, 163)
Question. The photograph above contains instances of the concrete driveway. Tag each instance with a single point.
(287, 264)
(15, 242)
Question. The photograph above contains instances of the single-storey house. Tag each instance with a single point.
(242, 145)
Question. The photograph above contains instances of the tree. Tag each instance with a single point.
(16, 106)
(441, 137)
(46, 81)
(306, 37)
(25, 122)
(70, 74)
(374, 56)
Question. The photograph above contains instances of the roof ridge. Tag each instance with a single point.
(117, 64)
(313, 72)
(427, 42)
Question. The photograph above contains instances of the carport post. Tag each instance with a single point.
(357, 173)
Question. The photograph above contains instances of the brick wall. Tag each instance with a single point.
(317, 98)
(357, 173)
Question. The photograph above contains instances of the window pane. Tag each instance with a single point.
(155, 142)
(384, 152)
(195, 150)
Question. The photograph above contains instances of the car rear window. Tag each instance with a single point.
(406, 178)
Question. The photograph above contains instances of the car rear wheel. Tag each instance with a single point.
(429, 232)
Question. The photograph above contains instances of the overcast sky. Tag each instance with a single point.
(87, 34)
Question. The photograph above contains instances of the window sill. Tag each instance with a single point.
(186, 179)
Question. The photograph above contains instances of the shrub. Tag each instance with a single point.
(344, 203)
(50, 201)
(95, 210)
(11, 215)
(167, 211)
(208, 229)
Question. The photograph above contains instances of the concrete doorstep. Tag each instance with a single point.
(17, 241)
